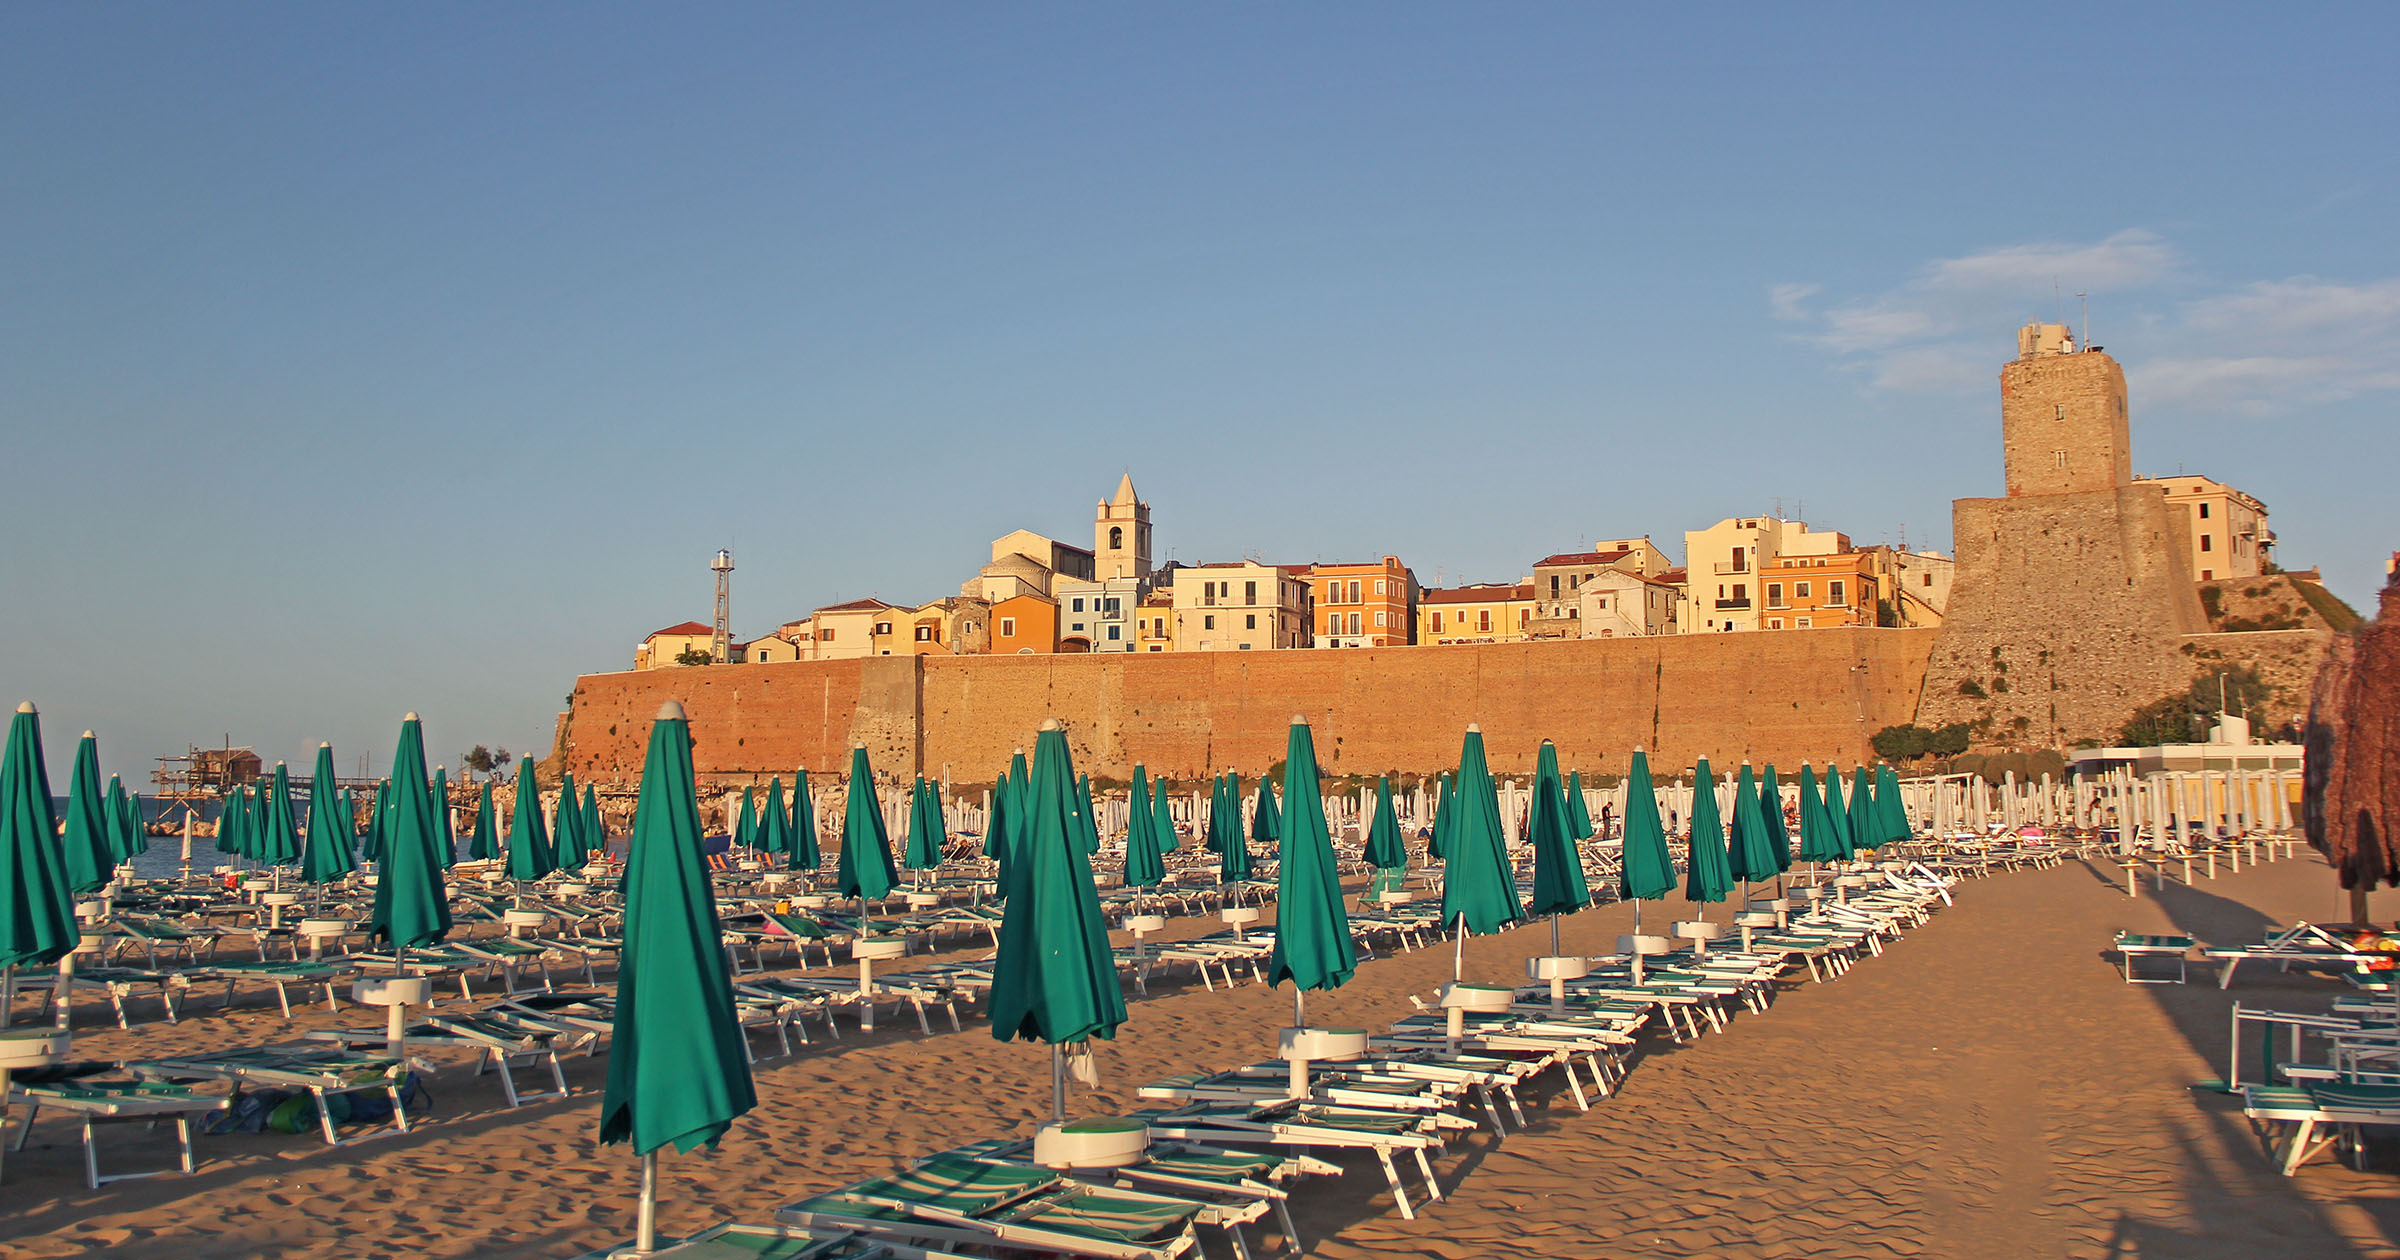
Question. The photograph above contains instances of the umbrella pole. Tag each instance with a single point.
(645, 1229)
(1058, 1083)
(8, 999)
(1458, 955)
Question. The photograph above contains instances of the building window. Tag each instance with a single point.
(1379, 621)
(1110, 607)
(1354, 620)
(1804, 623)
(1524, 617)
(883, 627)
(1354, 591)
(2207, 543)
(1154, 647)
(1116, 537)
(1774, 594)
(1008, 627)
(1741, 590)
(1928, 579)
(825, 635)
(1554, 585)
(1833, 593)
(2204, 511)
(1243, 646)
(1112, 633)
(1437, 622)
(1799, 590)
(2206, 574)
(1078, 603)
(762, 656)
(1379, 588)
(1333, 623)
(2061, 457)
(1249, 592)
(1208, 622)
(924, 634)
(1775, 623)
(1739, 553)
(1250, 621)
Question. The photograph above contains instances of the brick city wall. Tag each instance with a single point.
(1781, 697)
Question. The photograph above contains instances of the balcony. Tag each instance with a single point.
(1724, 566)
(1727, 605)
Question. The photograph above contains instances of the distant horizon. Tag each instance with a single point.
(377, 360)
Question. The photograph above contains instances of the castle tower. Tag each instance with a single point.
(2063, 422)
(1121, 536)
(2074, 598)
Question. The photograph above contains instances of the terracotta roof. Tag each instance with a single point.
(857, 605)
(1475, 594)
(1582, 557)
(688, 627)
(1675, 577)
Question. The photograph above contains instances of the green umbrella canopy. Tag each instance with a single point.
(1313, 948)
(140, 833)
(1770, 805)
(1837, 819)
(1578, 812)
(370, 845)
(864, 867)
(806, 856)
(229, 807)
(774, 821)
(89, 863)
(595, 827)
(1386, 851)
(124, 823)
(1055, 979)
(1138, 818)
(1087, 818)
(254, 826)
(995, 827)
(445, 836)
(1437, 845)
(1477, 882)
(1648, 871)
(566, 824)
(1162, 818)
(1266, 821)
(37, 913)
(1750, 851)
(1558, 883)
(1145, 857)
(412, 908)
(280, 840)
(1862, 811)
(1891, 817)
(326, 857)
(1233, 852)
(1709, 877)
(927, 834)
(1212, 838)
(677, 1072)
(1815, 840)
(745, 825)
(530, 855)
(484, 845)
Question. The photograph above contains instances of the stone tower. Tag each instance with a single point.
(2074, 592)
(1121, 536)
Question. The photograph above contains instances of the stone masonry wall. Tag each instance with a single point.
(1782, 697)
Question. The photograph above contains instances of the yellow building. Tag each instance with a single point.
(1022, 625)
(771, 650)
(1641, 555)
(667, 647)
(1241, 606)
(838, 632)
(1154, 624)
(1724, 560)
(1492, 612)
(2230, 538)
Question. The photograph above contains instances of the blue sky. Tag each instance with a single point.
(358, 360)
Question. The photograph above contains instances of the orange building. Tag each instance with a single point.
(1364, 605)
(1814, 592)
(1024, 624)
(1495, 612)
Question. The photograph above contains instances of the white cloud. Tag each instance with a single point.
(2259, 348)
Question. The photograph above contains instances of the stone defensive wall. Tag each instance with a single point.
(1816, 695)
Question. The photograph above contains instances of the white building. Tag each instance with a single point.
(1620, 605)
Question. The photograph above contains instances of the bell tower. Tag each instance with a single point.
(1121, 536)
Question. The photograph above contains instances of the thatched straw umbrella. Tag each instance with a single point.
(2350, 802)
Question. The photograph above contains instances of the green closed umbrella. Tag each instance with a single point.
(1837, 819)
(125, 837)
(806, 855)
(1863, 835)
(279, 837)
(1313, 948)
(775, 822)
(1086, 817)
(530, 855)
(1266, 821)
(89, 864)
(445, 836)
(1145, 856)
(1578, 812)
(1386, 850)
(864, 868)
(677, 1070)
(1770, 804)
(745, 825)
(1750, 849)
(483, 846)
(928, 835)
(1647, 870)
(326, 857)
(254, 826)
(228, 822)
(412, 908)
(595, 827)
(1816, 839)
(37, 911)
(1708, 878)
(1225, 833)
(566, 824)
(1054, 979)
(378, 811)
(1891, 817)
(1162, 818)
(1437, 843)
(996, 827)
(1558, 883)
(1479, 890)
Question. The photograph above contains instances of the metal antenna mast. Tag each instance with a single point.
(720, 647)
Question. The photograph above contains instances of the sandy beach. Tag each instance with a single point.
(1988, 1087)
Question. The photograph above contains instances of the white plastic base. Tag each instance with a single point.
(1476, 997)
(878, 947)
(523, 918)
(1240, 916)
(1105, 1142)
(1561, 968)
(32, 1047)
(1644, 945)
(1140, 923)
(1320, 1044)
(392, 991)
